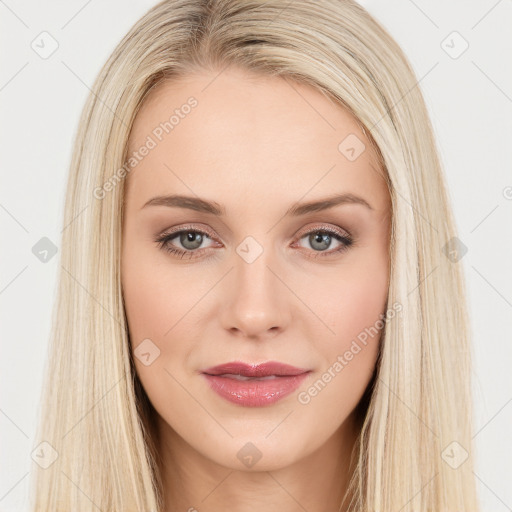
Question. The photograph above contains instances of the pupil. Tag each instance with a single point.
(319, 238)
(191, 237)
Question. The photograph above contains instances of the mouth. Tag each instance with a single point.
(244, 377)
(254, 385)
(262, 370)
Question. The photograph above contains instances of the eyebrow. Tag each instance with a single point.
(214, 208)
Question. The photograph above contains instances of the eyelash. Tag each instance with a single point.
(164, 239)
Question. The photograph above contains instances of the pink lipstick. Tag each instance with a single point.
(254, 385)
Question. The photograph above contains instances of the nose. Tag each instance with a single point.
(257, 303)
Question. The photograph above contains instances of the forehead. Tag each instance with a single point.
(249, 134)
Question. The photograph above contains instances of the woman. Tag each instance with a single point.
(259, 305)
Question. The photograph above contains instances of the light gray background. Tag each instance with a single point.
(470, 102)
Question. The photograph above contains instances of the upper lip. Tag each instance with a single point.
(255, 370)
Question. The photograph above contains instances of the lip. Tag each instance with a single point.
(237, 382)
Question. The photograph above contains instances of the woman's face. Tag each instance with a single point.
(234, 262)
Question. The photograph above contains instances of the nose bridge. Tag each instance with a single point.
(254, 298)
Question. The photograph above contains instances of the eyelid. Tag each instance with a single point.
(322, 227)
(343, 236)
(188, 227)
(299, 234)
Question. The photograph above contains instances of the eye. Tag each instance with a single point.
(191, 239)
(320, 239)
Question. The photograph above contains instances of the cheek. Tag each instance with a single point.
(146, 302)
(353, 309)
(155, 311)
(153, 296)
(352, 297)
(350, 354)
(361, 299)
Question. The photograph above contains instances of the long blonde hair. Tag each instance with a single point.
(95, 419)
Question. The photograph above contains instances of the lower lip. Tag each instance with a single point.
(254, 393)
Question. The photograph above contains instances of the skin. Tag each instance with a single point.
(255, 145)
